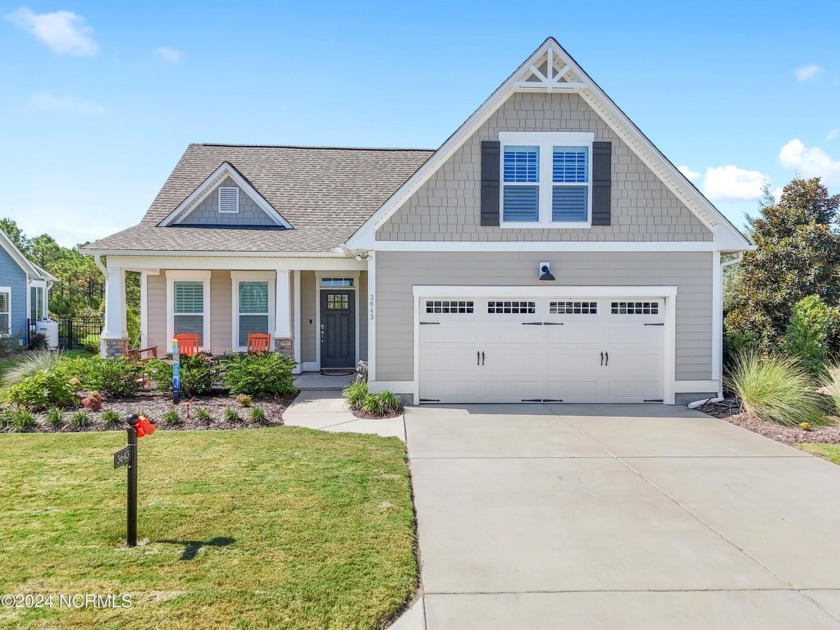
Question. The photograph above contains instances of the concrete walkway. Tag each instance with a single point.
(638, 516)
(326, 410)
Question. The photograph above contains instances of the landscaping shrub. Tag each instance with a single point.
(198, 373)
(93, 401)
(79, 419)
(55, 417)
(244, 400)
(6, 418)
(115, 378)
(35, 362)
(23, 420)
(258, 415)
(259, 375)
(44, 389)
(171, 418)
(202, 415)
(91, 343)
(381, 404)
(391, 403)
(807, 334)
(230, 415)
(111, 418)
(38, 341)
(774, 387)
(355, 394)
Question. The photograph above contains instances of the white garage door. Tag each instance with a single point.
(542, 349)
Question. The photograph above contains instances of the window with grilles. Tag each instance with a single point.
(573, 308)
(512, 307)
(450, 306)
(634, 308)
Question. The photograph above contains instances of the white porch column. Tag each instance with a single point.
(297, 323)
(283, 341)
(115, 334)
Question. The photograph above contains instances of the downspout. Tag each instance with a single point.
(738, 259)
(723, 265)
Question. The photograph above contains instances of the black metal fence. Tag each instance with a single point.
(74, 334)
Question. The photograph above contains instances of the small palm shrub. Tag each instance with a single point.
(372, 404)
(23, 420)
(202, 415)
(259, 375)
(171, 418)
(55, 417)
(79, 419)
(111, 418)
(258, 415)
(774, 387)
(230, 415)
(355, 394)
(391, 403)
(381, 404)
(35, 362)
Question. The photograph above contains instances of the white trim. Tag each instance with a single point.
(717, 318)
(115, 315)
(9, 291)
(29, 268)
(547, 246)
(36, 284)
(226, 169)
(220, 189)
(337, 255)
(710, 216)
(171, 277)
(696, 387)
(371, 315)
(310, 366)
(249, 276)
(144, 308)
(667, 293)
(239, 262)
(396, 387)
(296, 333)
(318, 288)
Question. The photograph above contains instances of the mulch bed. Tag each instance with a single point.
(364, 415)
(730, 411)
(154, 405)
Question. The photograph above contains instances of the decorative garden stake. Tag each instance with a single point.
(176, 373)
(138, 426)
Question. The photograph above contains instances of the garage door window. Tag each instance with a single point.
(635, 308)
(573, 308)
(522, 308)
(450, 306)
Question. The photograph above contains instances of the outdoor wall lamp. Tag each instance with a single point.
(545, 272)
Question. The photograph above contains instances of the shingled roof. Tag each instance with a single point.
(324, 193)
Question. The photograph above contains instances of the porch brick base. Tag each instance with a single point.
(113, 347)
(285, 345)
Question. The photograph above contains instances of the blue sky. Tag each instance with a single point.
(101, 98)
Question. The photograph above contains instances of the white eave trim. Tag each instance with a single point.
(551, 246)
(211, 254)
(710, 216)
(32, 271)
(226, 169)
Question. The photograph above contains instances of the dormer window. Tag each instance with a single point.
(228, 199)
(546, 179)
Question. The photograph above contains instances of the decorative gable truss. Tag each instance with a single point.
(217, 203)
(551, 69)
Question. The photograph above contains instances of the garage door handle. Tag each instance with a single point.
(660, 324)
(532, 323)
(608, 359)
(552, 323)
(482, 358)
(477, 358)
(602, 358)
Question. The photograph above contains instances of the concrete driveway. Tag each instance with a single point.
(642, 516)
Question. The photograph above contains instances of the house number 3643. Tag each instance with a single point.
(371, 303)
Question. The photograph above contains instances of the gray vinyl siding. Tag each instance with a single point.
(307, 316)
(221, 314)
(398, 272)
(447, 206)
(12, 276)
(207, 212)
(156, 313)
(363, 316)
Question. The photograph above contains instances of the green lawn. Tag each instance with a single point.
(273, 527)
(831, 452)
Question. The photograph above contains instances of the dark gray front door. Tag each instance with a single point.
(338, 329)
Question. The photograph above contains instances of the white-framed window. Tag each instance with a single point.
(253, 305)
(5, 311)
(37, 302)
(188, 304)
(337, 282)
(228, 199)
(546, 179)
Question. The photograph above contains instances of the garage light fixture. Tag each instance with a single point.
(545, 272)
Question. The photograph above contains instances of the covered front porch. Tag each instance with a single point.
(312, 308)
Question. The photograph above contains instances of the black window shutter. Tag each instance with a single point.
(601, 182)
(490, 182)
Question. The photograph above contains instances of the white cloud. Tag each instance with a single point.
(691, 175)
(169, 54)
(65, 103)
(832, 134)
(810, 162)
(807, 73)
(730, 183)
(63, 31)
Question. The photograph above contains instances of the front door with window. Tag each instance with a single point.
(338, 329)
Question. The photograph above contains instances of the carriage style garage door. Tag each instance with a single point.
(542, 349)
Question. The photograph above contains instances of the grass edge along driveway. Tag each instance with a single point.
(274, 527)
(831, 452)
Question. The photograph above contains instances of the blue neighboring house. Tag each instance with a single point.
(24, 290)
